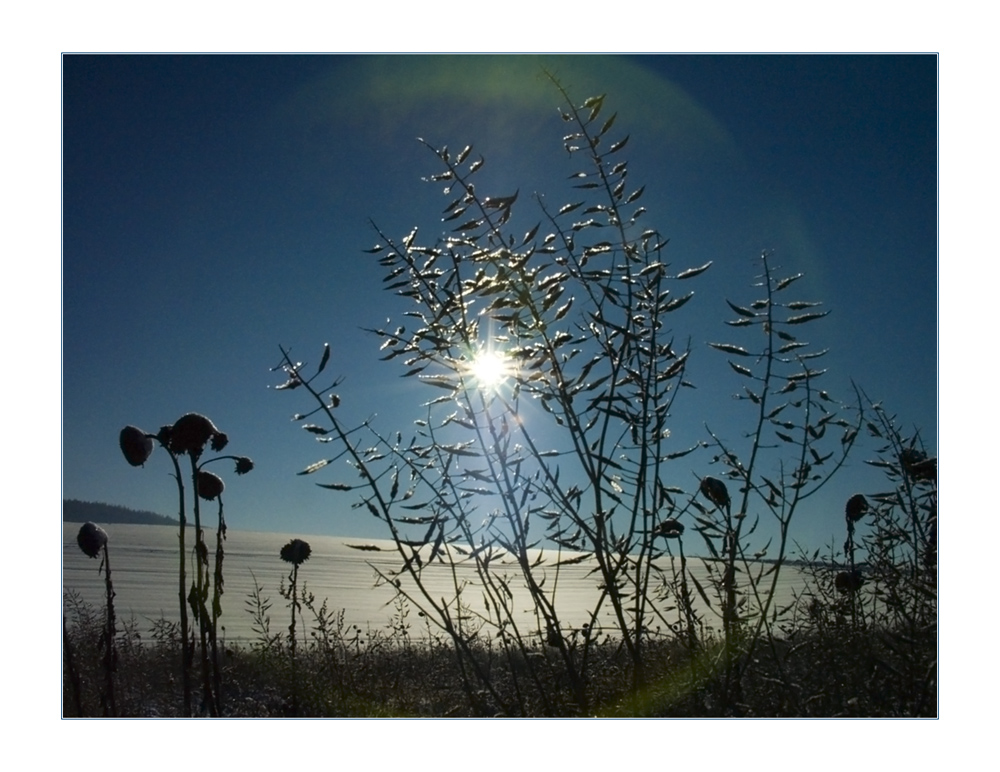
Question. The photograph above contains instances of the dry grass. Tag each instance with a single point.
(818, 672)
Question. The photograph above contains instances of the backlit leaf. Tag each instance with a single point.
(467, 226)
(574, 561)
(325, 358)
(731, 349)
(618, 145)
(805, 318)
(741, 370)
(690, 272)
(676, 303)
(635, 194)
(314, 467)
(441, 381)
(785, 282)
(697, 586)
(608, 124)
(741, 310)
(595, 104)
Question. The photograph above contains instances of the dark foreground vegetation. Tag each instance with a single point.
(825, 670)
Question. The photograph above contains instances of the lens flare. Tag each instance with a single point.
(490, 369)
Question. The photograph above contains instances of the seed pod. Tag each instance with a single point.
(857, 506)
(92, 539)
(715, 491)
(210, 486)
(243, 465)
(296, 551)
(135, 445)
(670, 529)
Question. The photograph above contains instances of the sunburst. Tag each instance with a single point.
(490, 369)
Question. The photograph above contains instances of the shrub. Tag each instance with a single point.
(574, 316)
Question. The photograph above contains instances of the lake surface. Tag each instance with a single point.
(144, 571)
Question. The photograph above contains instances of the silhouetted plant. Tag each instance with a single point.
(576, 322)
(901, 555)
(190, 435)
(850, 581)
(792, 432)
(295, 552)
(93, 541)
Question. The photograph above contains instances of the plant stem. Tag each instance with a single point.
(110, 657)
(186, 651)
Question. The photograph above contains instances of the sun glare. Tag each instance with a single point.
(490, 369)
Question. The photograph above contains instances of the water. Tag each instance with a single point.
(144, 572)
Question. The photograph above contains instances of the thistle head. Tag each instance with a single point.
(296, 552)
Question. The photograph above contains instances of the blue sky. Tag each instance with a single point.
(216, 207)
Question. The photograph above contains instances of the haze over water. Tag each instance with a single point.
(144, 571)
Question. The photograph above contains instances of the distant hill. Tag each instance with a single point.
(75, 511)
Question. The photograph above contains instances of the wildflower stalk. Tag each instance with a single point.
(220, 537)
(187, 647)
(93, 541)
(110, 655)
(190, 435)
(295, 552)
(199, 595)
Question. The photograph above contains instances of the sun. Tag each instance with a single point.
(490, 369)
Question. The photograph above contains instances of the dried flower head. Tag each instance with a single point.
(135, 445)
(191, 432)
(243, 465)
(670, 529)
(848, 581)
(296, 551)
(917, 466)
(857, 506)
(163, 436)
(715, 491)
(219, 441)
(92, 539)
(210, 486)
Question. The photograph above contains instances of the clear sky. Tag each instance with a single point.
(217, 206)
